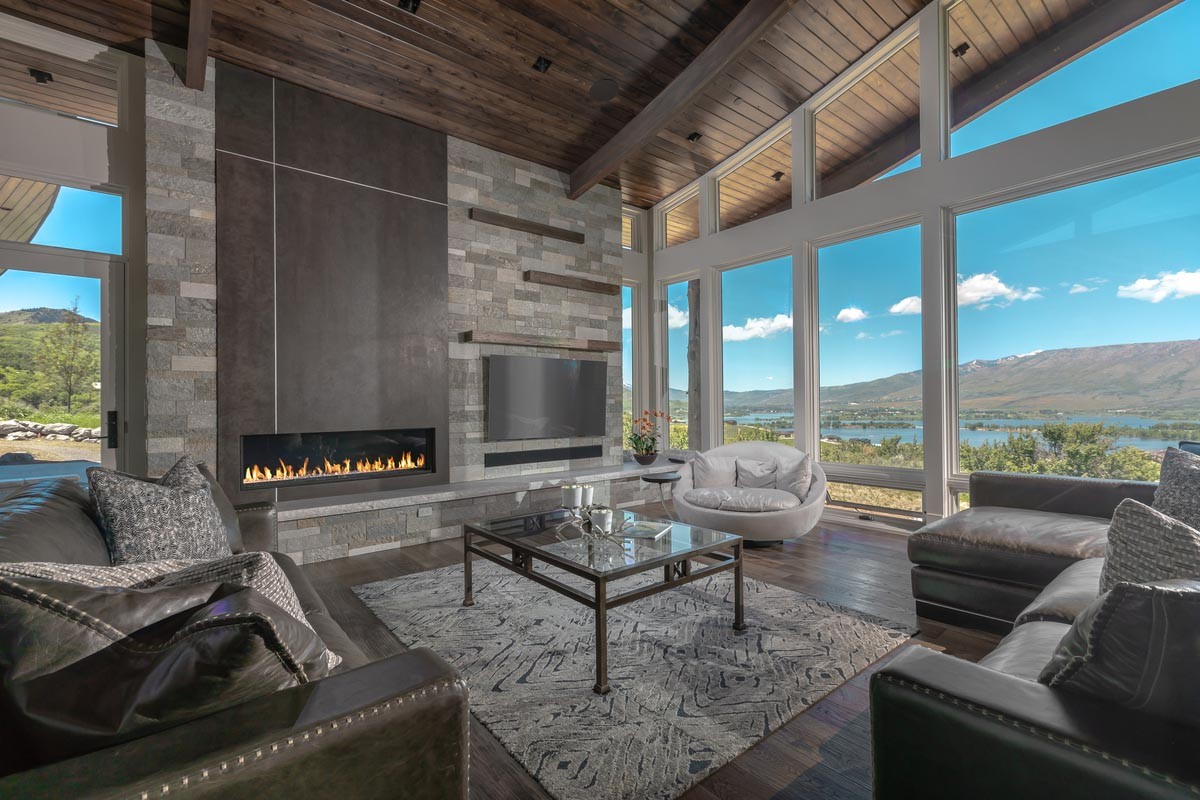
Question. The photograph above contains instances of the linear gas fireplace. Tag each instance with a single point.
(293, 459)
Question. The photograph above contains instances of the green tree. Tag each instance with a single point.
(69, 357)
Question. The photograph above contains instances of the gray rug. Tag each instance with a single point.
(688, 692)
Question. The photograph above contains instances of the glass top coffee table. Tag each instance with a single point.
(553, 539)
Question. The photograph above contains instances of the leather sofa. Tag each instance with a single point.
(979, 568)
(942, 727)
(394, 727)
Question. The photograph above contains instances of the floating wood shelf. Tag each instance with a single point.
(571, 282)
(525, 340)
(513, 223)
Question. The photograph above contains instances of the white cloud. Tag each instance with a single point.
(909, 305)
(770, 377)
(863, 335)
(984, 287)
(1168, 285)
(1079, 288)
(889, 334)
(757, 328)
(851, 314)
(627, 318)
(676, 318)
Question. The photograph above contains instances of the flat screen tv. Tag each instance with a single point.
(545, 398)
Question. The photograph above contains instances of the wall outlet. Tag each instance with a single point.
(427, 511)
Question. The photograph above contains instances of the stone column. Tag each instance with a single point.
(181, 319)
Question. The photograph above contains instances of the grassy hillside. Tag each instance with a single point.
(27, 392)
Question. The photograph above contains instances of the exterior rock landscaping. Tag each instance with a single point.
(13, 430)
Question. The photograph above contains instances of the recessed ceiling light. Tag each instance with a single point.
(542, 64)
(410, 6)
(40, 75)
(777, 177)
(695, 136)
(603, 90)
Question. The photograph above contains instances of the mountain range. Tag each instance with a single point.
(1154, 376)
(40, 316)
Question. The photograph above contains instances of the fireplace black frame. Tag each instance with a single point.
(427, 436)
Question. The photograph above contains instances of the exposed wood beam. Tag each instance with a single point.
(199, 27)
(745, 29)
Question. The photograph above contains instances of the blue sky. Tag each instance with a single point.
(1111, 262)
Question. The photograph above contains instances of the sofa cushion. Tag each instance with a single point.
(323, 623)
(1026, 650)
(51, 520)
(745, 500)
(756, 474)
(145, 521)
(82, 668)
(229, 517)
(1067, 595)
(1008, 544)
(1178, 492)
(713, 472)
(1137, 645)
(1145, 545)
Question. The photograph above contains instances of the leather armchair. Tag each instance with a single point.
(393, 728)
(942, 727)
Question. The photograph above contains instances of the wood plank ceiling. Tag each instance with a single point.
(24, 206)
(466, 67)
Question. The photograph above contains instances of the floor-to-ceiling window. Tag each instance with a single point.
(756, 338)
(628, 370)
(683, 364)
(1079, 327)
(869, 335)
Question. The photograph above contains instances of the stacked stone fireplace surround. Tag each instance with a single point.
(486, 292)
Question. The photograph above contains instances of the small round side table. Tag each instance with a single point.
(662, 479)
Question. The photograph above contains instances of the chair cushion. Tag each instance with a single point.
(756, 474)
(51, 520)
(1065, 598)
(1137, 645)
(713, 472)
(1025, 651)
(1009, 544)
(146, 521)
(84, 668)
(1178, 492)
(795, 476)
(1145, 545)
(747, 500)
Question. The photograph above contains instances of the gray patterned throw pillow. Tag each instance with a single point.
(147, 521)
(1145, 545)
(257, 571)
(1178, 493)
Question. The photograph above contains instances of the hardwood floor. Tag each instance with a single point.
(821, 754)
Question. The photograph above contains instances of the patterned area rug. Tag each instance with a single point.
(688, 692)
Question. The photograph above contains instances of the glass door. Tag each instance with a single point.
(61, 358)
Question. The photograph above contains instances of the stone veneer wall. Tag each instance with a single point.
(181, 318)
(488, 292)
(337, 536)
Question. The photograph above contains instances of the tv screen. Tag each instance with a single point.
(545, 398)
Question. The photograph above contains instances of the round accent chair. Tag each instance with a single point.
(764, 492)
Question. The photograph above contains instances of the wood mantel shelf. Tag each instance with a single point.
(515, 224)
(571, 282)
(526, 340)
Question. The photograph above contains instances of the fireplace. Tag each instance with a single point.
(292, 459)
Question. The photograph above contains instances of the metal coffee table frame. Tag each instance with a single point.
(676, 567)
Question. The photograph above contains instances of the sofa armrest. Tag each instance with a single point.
(399, 725)
(686, 482)
(1092, 497)
(942, 727)
(257, 524)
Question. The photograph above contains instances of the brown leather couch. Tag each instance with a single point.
(391, 728)
(981, 567)
(942, 727)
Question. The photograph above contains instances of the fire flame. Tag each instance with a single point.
(287, 472)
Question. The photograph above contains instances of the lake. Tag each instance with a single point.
(978, 437)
